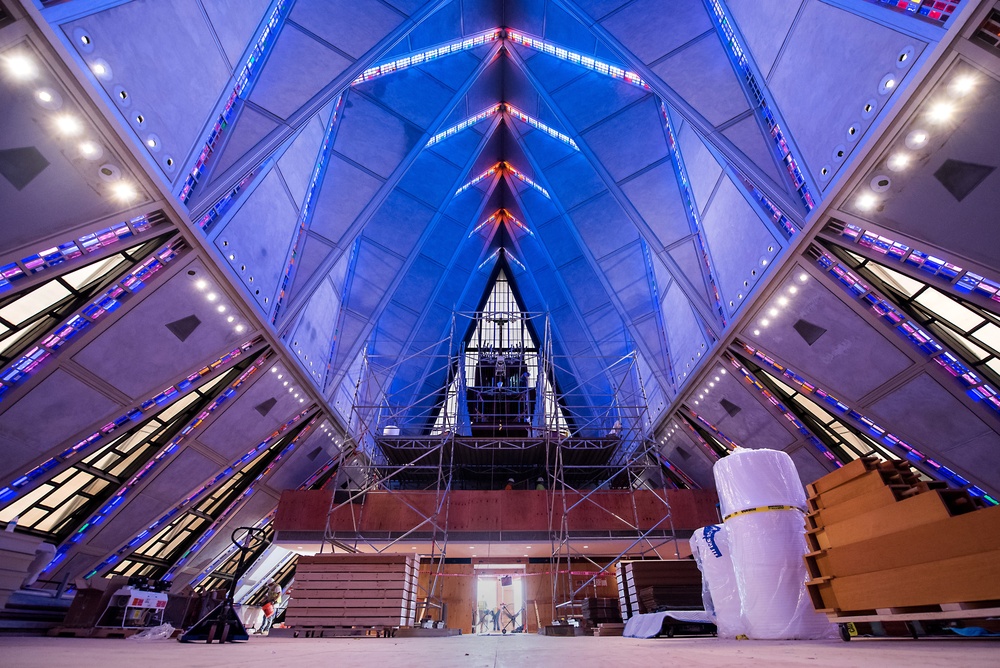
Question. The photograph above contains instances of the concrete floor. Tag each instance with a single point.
(496, 651)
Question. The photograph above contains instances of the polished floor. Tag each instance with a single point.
(496, 651)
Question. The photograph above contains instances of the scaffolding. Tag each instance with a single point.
(544, 426)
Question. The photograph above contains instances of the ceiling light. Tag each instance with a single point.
(99, 69)
(285, 383)
(942, 111)
(916, 139)
(68, 125)
(586, 547)
(44, 95)
(21, 66)
(765, 322)
(963, 85)
(274, 369)
(151, 143)
(898, 162)
(890, 84)
(866, 202)
(716, 378)
(90, 150)
(696, 402)
(240, 328)
(723, 372)
(756, 332)
(230, 319)
(211, 296)
(280, 376)
(792, 290)
(773, 312)
(711, 385)
(782, 301)
(123, 190)
(201, 284)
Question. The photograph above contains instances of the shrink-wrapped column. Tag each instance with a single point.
(710, 548)
(762, 503)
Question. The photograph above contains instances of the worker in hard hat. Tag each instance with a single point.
(510, 484)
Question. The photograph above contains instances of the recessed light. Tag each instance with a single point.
(68, 125)
(765, 322)
(99, 69)
(942, 111)
(90, 150)
(792, 290)
(866, 202)
(803, 277)
(230, 319)
(123, 190)
(201, 284)
(221, 308)
(916, 139)
(44, 95)
(782, 301)
(772, 312)
(756, 332)
(963, 84)
(21, 66)
(898, 162)
(211, 296)
(240, 328)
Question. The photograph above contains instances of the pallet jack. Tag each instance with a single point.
(222, 623)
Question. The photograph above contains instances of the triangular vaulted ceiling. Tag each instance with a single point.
(350, 175)
(582, 161)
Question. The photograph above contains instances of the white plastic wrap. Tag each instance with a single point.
(710, 547)
(762, 500)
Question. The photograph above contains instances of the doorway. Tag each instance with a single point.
(500, 603)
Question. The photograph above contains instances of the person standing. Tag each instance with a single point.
(272, 595)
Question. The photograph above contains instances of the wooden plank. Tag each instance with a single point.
(866, 483)
(883, 496)
(966, 534)
(957, 580)
(843, 475)
(920, 509)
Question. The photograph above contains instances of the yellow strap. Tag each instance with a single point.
(760, 509)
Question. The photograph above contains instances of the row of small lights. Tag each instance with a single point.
(781, 302)
(940, 111)
(693, 358)
(331, 433)
(708, 386)
(213, 296)
(885, 87)
(102, 70)
(673, 426)
(763, 261)
(288, 385)
(24, 68)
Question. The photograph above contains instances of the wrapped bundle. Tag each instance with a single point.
(710, 548)
(762, 503)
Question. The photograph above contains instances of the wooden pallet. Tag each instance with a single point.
(938, 612)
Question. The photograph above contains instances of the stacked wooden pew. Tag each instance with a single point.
(882, 542)
(658, 585)
(353, 590)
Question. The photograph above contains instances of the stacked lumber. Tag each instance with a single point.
(353, 590)
(610, 629)
(597, 611)
(656, 585)
(883, 542)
